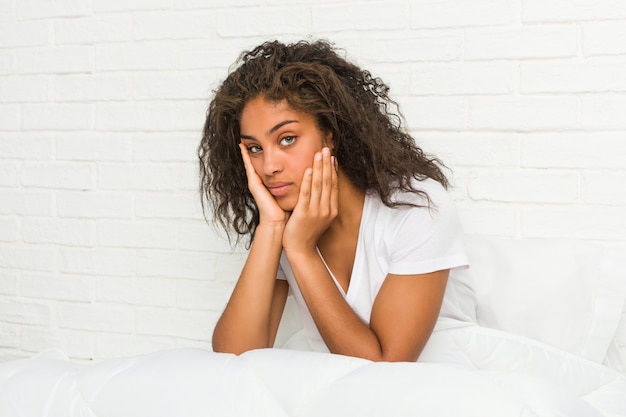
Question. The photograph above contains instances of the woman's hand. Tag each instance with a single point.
(317, 204)
(269, 210)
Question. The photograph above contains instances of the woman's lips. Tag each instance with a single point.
(278, 190)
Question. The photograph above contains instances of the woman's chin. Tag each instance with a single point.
(285, 203)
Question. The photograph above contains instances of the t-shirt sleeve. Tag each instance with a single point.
(428, 239)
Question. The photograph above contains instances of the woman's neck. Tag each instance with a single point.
(350, 204)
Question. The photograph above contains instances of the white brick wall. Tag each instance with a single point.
(103, 248)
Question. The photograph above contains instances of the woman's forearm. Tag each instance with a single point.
(248, 321)
(341, 329)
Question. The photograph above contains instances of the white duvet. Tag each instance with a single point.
(486, 373)
(540, 331)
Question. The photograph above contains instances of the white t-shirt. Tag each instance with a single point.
(402, 240)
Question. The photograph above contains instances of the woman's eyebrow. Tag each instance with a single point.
(272, 130)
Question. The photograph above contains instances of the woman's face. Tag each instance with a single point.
(282, 143)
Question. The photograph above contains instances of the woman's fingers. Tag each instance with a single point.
(318, 190)
(250, 172)
(334, 189)
(269, 210)
(326, 182)
(316, 180)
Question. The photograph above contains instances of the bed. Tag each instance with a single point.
(539, 329)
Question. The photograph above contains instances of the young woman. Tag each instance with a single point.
(302, 152)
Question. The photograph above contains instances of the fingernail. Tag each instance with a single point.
(325, 151)
(318, 156)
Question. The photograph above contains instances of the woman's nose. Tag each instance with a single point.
(272, 162)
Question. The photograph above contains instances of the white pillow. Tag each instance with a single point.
(568, 294)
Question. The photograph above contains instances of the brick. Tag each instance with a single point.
(15, 35)
(601, 112)
(128, 5)
(604, 188)
(199, 344)
(9, 117)
(555, 41)
(605, 223)
(523, 113)
(96, 317)
(137, 291)
(458, 178)
(472, 149)
(22, 312)
(9, 336)
(170, 264)
(25, 145)
(262, 21)
(8, 282)
(121, 345)
(76, 345)
(151, 116)
(228, 266)
(202, 295)
(26, 203)
(6, 63)
(371, 16)
(131, 56)
(203, 4)
(57, 117)
(93, 30)
(8, 229)
(93, 146)
(565, 10)
(9, 174)
(464, 79)
(166, 147)
(57, 287)
(488, 218)
(443, 14)
(57, 60)
(188, 176)
(572, 150)
(444, 113)
(604, 38)
(529, 186)
(94, 205)
(91, 87)
(97, 261)
(137, 234)
(7, 7)
(41, 9)
(581, 76)
(177, 205)
(201, 237)
(415, 48)
(58, 175)
(174, 25)
(139, 176)
(170, 322)
(9, 355)
(59, 231)
(23, 89)
(170, 86)
(218, 56)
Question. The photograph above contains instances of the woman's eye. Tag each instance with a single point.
(254, 149)
(288, 140)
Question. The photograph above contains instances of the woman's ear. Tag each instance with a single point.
(328, 142)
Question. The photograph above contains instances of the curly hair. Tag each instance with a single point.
(370, 144)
